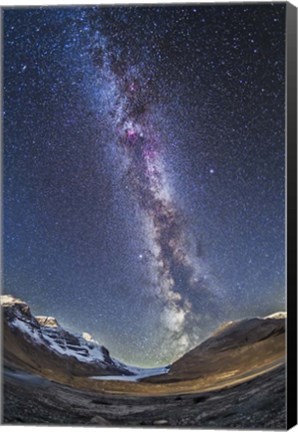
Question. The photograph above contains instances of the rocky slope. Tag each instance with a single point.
(39, 344)
(234, 350)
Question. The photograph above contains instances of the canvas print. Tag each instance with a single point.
(144, 215)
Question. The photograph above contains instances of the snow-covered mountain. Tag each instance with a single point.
(40, 343)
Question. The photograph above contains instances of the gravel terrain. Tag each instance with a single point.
(258, 403)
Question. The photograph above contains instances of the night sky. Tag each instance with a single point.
(144, 171)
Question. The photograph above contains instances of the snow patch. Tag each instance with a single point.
(92, 355)
(27, 330)
(87, 353)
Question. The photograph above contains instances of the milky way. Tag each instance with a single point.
(172, 265)
(144, 170)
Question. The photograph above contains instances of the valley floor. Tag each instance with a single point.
(258, 403)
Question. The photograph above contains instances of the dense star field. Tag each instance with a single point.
(144, 169)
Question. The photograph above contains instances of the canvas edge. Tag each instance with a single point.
(291, 212)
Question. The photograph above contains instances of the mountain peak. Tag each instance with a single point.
(9, 300)
(277, 315)
(87, 337)
(47, 321)
(14, 306)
